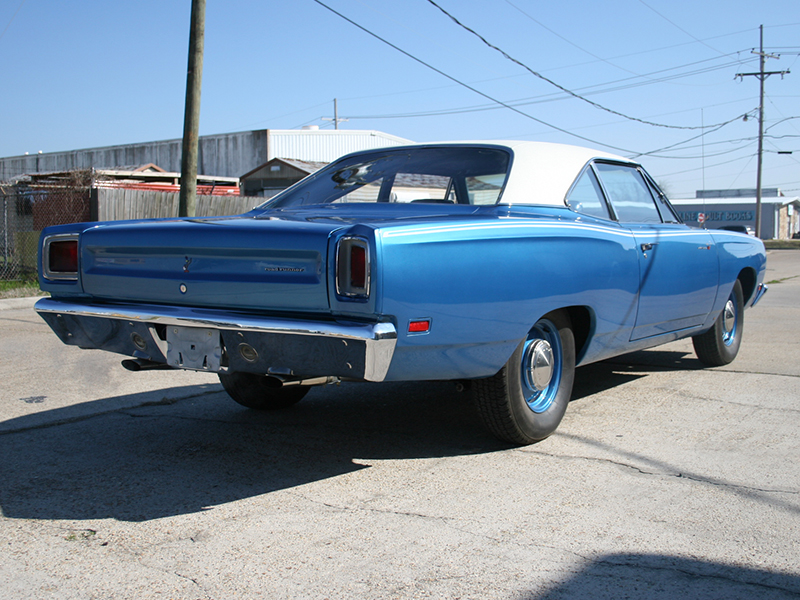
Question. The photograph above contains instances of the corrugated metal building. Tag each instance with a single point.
(224, 155)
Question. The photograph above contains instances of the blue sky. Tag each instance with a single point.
(92, 73)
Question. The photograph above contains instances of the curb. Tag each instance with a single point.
(18, 303)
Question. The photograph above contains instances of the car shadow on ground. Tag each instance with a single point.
(653, 360)
(660, 577)
(617, 371)
(158, 459)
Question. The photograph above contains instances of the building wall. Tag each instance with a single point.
(722, 214)
(225, 155)
(325, 145)
(789, 223)
(221, 155)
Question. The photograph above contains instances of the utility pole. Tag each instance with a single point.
(762, 76)
(187, 202)
(336, 120)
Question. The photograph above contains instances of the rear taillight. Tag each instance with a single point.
(353, 268)
(60, 257)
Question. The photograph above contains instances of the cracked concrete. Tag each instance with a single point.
(664, 480)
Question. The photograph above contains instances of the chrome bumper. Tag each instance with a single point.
(286, 347)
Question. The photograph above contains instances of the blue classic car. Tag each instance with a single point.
(504, 263)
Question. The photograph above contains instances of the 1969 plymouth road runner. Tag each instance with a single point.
(504, 263)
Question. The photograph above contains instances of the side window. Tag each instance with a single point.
(628, 193)
(586, 197)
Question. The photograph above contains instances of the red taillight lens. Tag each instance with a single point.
(64, 256)
(353, 268)
(358, 267)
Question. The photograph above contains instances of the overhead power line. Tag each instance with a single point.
(674, 24)
(500, 102)
(469, 87)
(561, 87)
(570, 42)
(554, 96)
(11, 20)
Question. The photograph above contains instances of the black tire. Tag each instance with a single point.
(255, 391)
(524, 405)
(719, 345)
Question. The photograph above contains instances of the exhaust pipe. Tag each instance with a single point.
(139, 364)
(277, 381)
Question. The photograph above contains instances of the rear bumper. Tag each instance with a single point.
(287, 347)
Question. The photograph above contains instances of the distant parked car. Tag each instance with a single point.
(796, 235)
(739, 228)
(506, 263)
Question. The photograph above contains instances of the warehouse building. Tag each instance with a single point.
(224, 155)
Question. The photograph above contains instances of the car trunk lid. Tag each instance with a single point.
(275, 265)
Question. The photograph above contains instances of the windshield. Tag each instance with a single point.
(438, 175)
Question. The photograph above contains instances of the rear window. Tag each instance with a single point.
(437, 175)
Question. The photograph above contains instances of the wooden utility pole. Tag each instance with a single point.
(336, 120)
(187, 203)
(762, 76)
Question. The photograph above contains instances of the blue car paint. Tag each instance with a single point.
(679, 276)
(220, 263)
(483, 306)
(522, 262)
(481, 275)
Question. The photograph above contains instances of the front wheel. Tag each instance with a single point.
(526, 400)
(719, 345)
(255, 391)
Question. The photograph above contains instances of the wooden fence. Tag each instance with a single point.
(117, 204)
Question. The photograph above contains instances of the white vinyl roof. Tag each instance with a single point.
(542, 173)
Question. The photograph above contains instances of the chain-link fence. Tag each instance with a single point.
(26, 210)
(36, 201)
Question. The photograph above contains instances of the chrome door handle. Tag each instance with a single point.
(646, 247)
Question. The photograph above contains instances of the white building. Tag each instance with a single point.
(224, 155)
(715, 209)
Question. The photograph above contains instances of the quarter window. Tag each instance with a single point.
(586, 196)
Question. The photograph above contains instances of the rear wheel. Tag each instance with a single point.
(526, 400)
(719, 345)
(257, 391)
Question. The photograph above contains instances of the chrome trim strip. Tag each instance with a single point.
(379, 339)
(57, 275)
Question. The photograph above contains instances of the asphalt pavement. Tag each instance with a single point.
(665, 480)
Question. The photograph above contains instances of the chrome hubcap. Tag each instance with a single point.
(729, 317)
(539, 365)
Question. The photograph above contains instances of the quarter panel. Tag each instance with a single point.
(484, 284)
(737, 252)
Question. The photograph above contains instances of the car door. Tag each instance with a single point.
(678, 266)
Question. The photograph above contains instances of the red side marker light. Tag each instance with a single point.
(422, 326)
